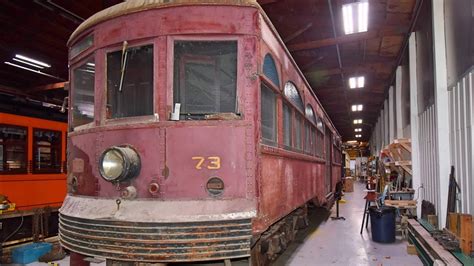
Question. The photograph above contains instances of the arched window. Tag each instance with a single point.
(310, 114)
(320, 124)
(270, 70)
(293, 95)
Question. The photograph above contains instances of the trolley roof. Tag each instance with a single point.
(134, 6)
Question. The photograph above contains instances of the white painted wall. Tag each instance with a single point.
(415, 147)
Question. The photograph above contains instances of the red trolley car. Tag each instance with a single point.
(192, 132)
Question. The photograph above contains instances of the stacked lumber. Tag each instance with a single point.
(401, 203)
(400, 152)
(433, 250)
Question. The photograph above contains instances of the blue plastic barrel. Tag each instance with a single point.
(382, 224)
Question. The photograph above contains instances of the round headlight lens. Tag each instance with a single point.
(119, 163)
(112, 165)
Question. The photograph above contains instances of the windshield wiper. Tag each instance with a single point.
(123, 64)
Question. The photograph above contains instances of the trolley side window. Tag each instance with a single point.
(46, 151)
(130, 82)
(287, 121)
(205, 78)
(298, 125)
(13, 149)
(320, 136)
(292, 94)
(270, 70)
(310, 131)
(83, 93)
(268, 113)
(291, 117)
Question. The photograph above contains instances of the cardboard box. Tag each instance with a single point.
(349, 184)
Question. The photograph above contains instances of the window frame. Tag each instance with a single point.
(294, 109)
(81, 61)
(275, 91)
(299, 94)
(312, 130)
(291, 126)
(276, 68)
(24, 170)
(59, 147)
(103, 106)
(170, 64)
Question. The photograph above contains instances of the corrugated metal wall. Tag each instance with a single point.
(461, 108)
(428, 155)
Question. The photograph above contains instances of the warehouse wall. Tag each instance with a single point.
(435, 104)
(459, 26)
(459, 21)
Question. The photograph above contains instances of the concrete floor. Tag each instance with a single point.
(338, 242)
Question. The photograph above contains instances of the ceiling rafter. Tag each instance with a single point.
(388, 31)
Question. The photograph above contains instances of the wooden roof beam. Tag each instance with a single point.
(346, 39)
(53, 86)
(298, 33)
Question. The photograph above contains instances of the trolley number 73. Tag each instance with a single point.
(211, 163)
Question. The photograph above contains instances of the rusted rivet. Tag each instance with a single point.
(154, 188)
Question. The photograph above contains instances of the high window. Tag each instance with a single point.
(205, 78)
(83, 93)
(130, 82)
(270, 70)
(13, 149)
(46, 151)
(268, 115)
(292, 118)
(292, 94)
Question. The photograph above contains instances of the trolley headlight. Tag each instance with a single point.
(119, 163)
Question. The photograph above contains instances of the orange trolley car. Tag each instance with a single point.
(32, 171)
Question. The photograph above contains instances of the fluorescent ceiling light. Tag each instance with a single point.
(355, 17)
(348, 20)
(357, 107)
(31, 60)
(33, 70)
(358, 130)
(360, 82)
(357, 121)
(363, 16)
(27, 63)
(356, 82)
(91, 64)
(352, 141)
(352, 83)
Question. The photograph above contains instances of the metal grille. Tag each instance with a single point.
(156, 242)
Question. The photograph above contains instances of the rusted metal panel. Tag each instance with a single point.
(187, 146)
(176, 21)
(153, 211)
(285, 184)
